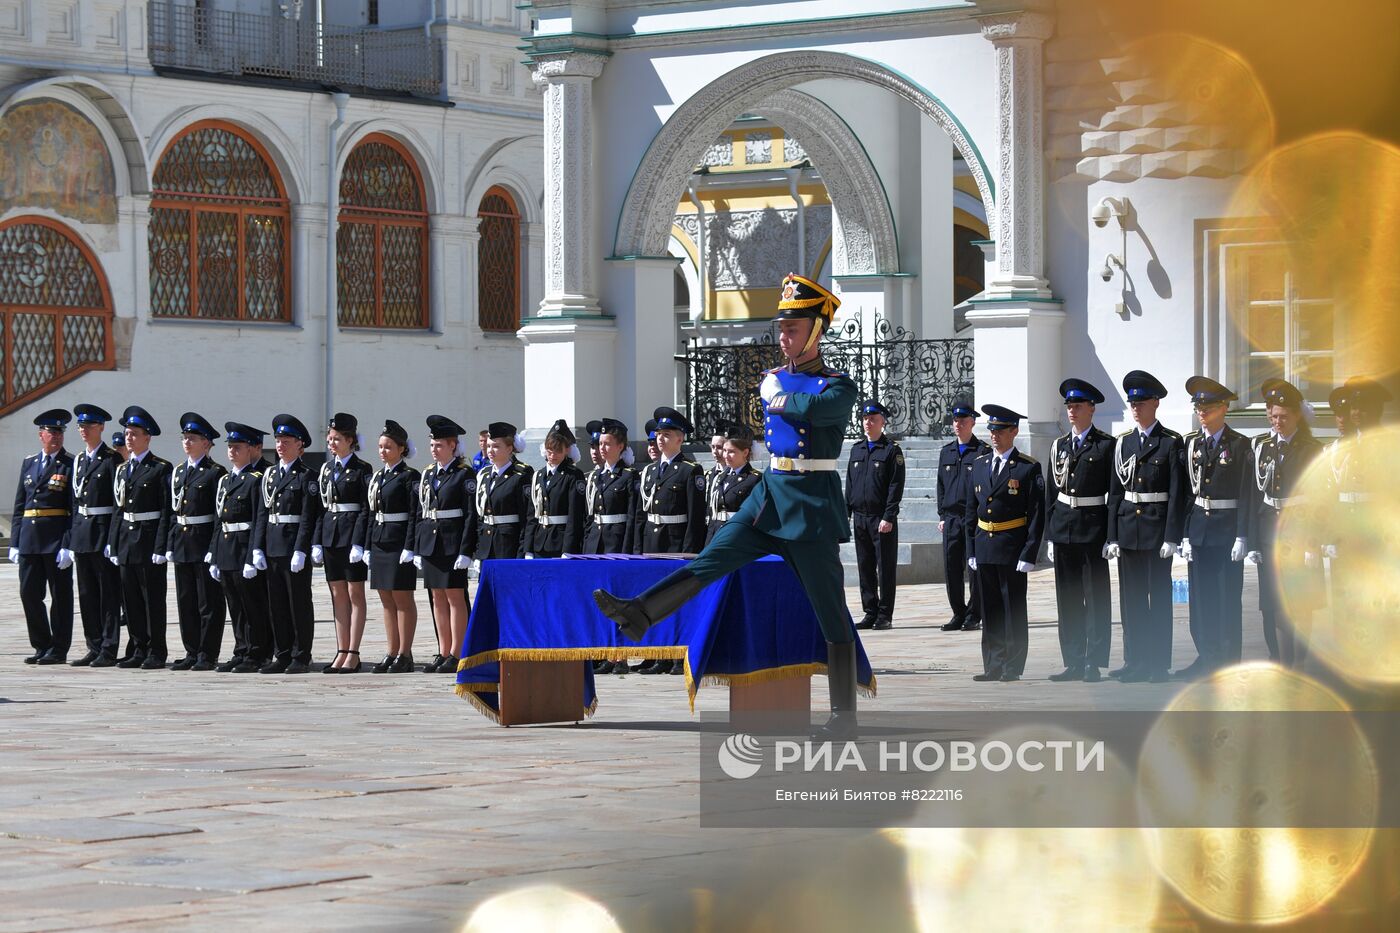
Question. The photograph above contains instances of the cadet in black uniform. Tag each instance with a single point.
(1147, 505)
(137, 540)
(595, 459)
(1076, 525)
(237, 502)
(954, 468)
(1005, 508)
(392, 499)
(1280, 458)
(199, 598)
(498, 524)
(281, 543)
(446, 501)
(1220, 468)
(99, 583)
(1352, 482)
(338, 542)
(556, 498)
(874, 488)
(610, 497)
(737, 481)
(40, 527)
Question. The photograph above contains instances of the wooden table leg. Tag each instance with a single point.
(541, 691)
(790, 695)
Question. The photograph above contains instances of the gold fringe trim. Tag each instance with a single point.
(766, 675)
(672, 653)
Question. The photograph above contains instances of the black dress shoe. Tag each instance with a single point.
(1009, 677)
(184, 663)
(884, 623)
(229, 665)
(621, 667)
(1195, 669)
(1069, 673)
(203, 666)
(1118, 672)
(248, 666)
(329, 669)
(347, 669)
(650, 667)
(432, 666)
(449, 664)
(383, 666)
(953, 625)
(865, 623)
(85, 661)
(972, 626)
(103, 660)
(677, 667)
(1091, 675)
(298, 667)
(1159, 677)
(403, 664)
(134, 661)
(34, 658)
(153, 663)
(602, 667)
(986, 676)
(275, 666)
(53, 659)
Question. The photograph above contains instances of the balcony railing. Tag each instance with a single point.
(246, 45)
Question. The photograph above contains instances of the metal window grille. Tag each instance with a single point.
(382, 243)
(498, 266)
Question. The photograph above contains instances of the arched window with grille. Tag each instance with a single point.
(498, 262)
(55, 310)
(218, 235)
(382, 243)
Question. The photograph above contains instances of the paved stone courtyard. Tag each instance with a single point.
(165, 800)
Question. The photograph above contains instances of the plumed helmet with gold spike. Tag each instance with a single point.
(803, 298)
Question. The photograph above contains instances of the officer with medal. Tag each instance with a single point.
(739, 479)
(556, 498)
(99, 583)
(1220, 469)
(497, 527)
(1280, 458)
(954, 468)
(237, 501)
(874, 488)
(338, 542)
(1005, 507)
(1147, 505)
(39, 530)
(199, 597)
(797, 510)
(442, 548)
(281, 546)
(671, 514)
(610, 496)
(1076, 527)
(392, 500)
(137, 540)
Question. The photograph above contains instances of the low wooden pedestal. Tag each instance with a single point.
(792, 695)
(541, 691)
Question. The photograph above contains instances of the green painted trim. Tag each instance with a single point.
(675, 259)
(537, 54)
(567, 316)
(573, 35)
(982, 242)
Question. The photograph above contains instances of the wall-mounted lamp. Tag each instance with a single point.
(1111, 207)
(1110, 262)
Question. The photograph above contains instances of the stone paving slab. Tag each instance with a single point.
(89, 830)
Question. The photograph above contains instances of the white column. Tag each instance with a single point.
(446, 296)
(645, 336)
(1020, 168)
(570, 183)
(308, 235)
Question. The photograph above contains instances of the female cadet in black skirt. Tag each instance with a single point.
(731, 487)
(556, 498)
(338, 543)
(502, 498)
(392, 498)
(1280, 458)
(446, 502)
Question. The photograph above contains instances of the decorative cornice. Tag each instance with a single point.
(1006, 27)
(576, 63)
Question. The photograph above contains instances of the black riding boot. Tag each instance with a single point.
(841, 681)
(635, 616)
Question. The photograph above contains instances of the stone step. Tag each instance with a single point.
(917, 562)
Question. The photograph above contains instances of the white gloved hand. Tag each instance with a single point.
(1111, 550)
(769, 387)
(418, 562)
(113, 558)
(1309, 558)
(972, 563)
(1329, 551)
(318, 555)
(298, 561)
(1024, 566)
(65, 558)
(209, 558)
(1254, 557)
(529, 556)
(406, 557)
(1238, 552)
(14, 555)
(462, 562)
(107, 551)
(158, 559)
(249, 571)
(259, 559)
(357, 554)
(1050, 551)
(1169, 549)
(366, 556)
(215, 573)
(1185, 552)
(169, 556)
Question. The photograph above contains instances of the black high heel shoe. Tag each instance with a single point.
(385, 666)
(432, 666)
(356, 668)
(333, 670)
(448, 665)
(403, 664)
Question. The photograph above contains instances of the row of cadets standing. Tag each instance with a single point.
(497, 527)
(391, 502)
(136, 540)
(447, 498)
(199, 597)
(874, 489)
(237, 502)
(291, 508)
(954, 472)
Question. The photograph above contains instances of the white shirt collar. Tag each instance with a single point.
(345, 460)
(1084, 435)
(93, 452)
(1148, 429)
(137, 458)
(1216, 436)
(285, 464)
(193, 463)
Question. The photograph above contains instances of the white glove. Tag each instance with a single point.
(14, 555)
(1185, 552)
(406, 557)
(1023, 566)
(318, 555)
(214, 572)
(107, 551)
(972, 563)
(1050, 551)
(357, 554)
(1254, 557)
(259, 559)
(769, 387)
(1309, 558)
(65, 558)
(209, 558)
(529, 556)
(169, 556)
(113, 558)
(159, 559)
(365, 557)
(249, 571)
(418, 562)
(462, 562)
(1329, 551)
(1238, 552)
(1169, 549)
(1111, 550)
(298, 561)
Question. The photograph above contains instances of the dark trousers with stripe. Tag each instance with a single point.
(199, 600)
(1217, 586)
(99, 602)
(50, 627)
(1005, 623)
(1145, 603)
(1083, 599)
(289, 604)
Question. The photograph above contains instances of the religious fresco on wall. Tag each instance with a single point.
(51, 156)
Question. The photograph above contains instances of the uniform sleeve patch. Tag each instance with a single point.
(700, 482)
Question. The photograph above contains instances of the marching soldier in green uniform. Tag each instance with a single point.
(797, 510)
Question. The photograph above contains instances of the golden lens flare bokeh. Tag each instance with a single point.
(1334, 201)
(1190, 768)
(1101, 877)
(540, 909)
(1356, 632)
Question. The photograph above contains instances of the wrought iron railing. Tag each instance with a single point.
(917, 380)
(247, 45)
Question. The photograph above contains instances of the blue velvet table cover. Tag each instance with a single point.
(753, 625)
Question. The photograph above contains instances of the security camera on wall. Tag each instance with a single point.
(1110, 262)
(1107, 208)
